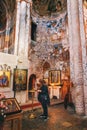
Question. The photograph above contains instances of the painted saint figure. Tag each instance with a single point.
(4, 80)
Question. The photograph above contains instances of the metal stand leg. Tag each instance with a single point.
(32, 115)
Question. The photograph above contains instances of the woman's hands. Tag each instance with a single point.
(38, 90)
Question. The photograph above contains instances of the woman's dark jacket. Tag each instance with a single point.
(43, 96)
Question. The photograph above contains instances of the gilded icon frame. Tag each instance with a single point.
(54, 77)
(5, 78)
(20, 79)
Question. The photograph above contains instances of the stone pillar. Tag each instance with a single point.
(77, 52)
(22, 28)
(71, 48)
(22, 33)
(17, 28)
(28, 29)
(84, 55)
(22, 41)
(70, 40)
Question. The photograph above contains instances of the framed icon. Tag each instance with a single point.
(54, 77)
(20, 79)
(5, 77)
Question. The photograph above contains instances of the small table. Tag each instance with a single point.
(13, 117)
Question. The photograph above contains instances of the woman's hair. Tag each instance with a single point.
(42, 81)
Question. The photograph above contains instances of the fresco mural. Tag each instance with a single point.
(51, 37)
(47, 7)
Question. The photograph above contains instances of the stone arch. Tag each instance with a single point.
(46, 66)
(31, 84)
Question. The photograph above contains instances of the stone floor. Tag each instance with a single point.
(59, 119)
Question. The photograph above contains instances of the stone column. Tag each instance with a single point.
(27, 38)
(22, 28)
(70, 38)
(28, 29)
(22, 42)
(84, 55)
(77, 52)
(17, 28)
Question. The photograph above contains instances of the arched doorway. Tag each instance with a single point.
(31, 84)
(46, 67)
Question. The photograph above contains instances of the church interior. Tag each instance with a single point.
(43, 39)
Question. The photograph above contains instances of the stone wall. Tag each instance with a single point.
(51, 40)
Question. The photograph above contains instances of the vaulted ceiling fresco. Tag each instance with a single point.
(6, 10)
(51, 31)
(47, 7)
(51, 42)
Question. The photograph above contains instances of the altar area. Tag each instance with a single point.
(55, 91)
